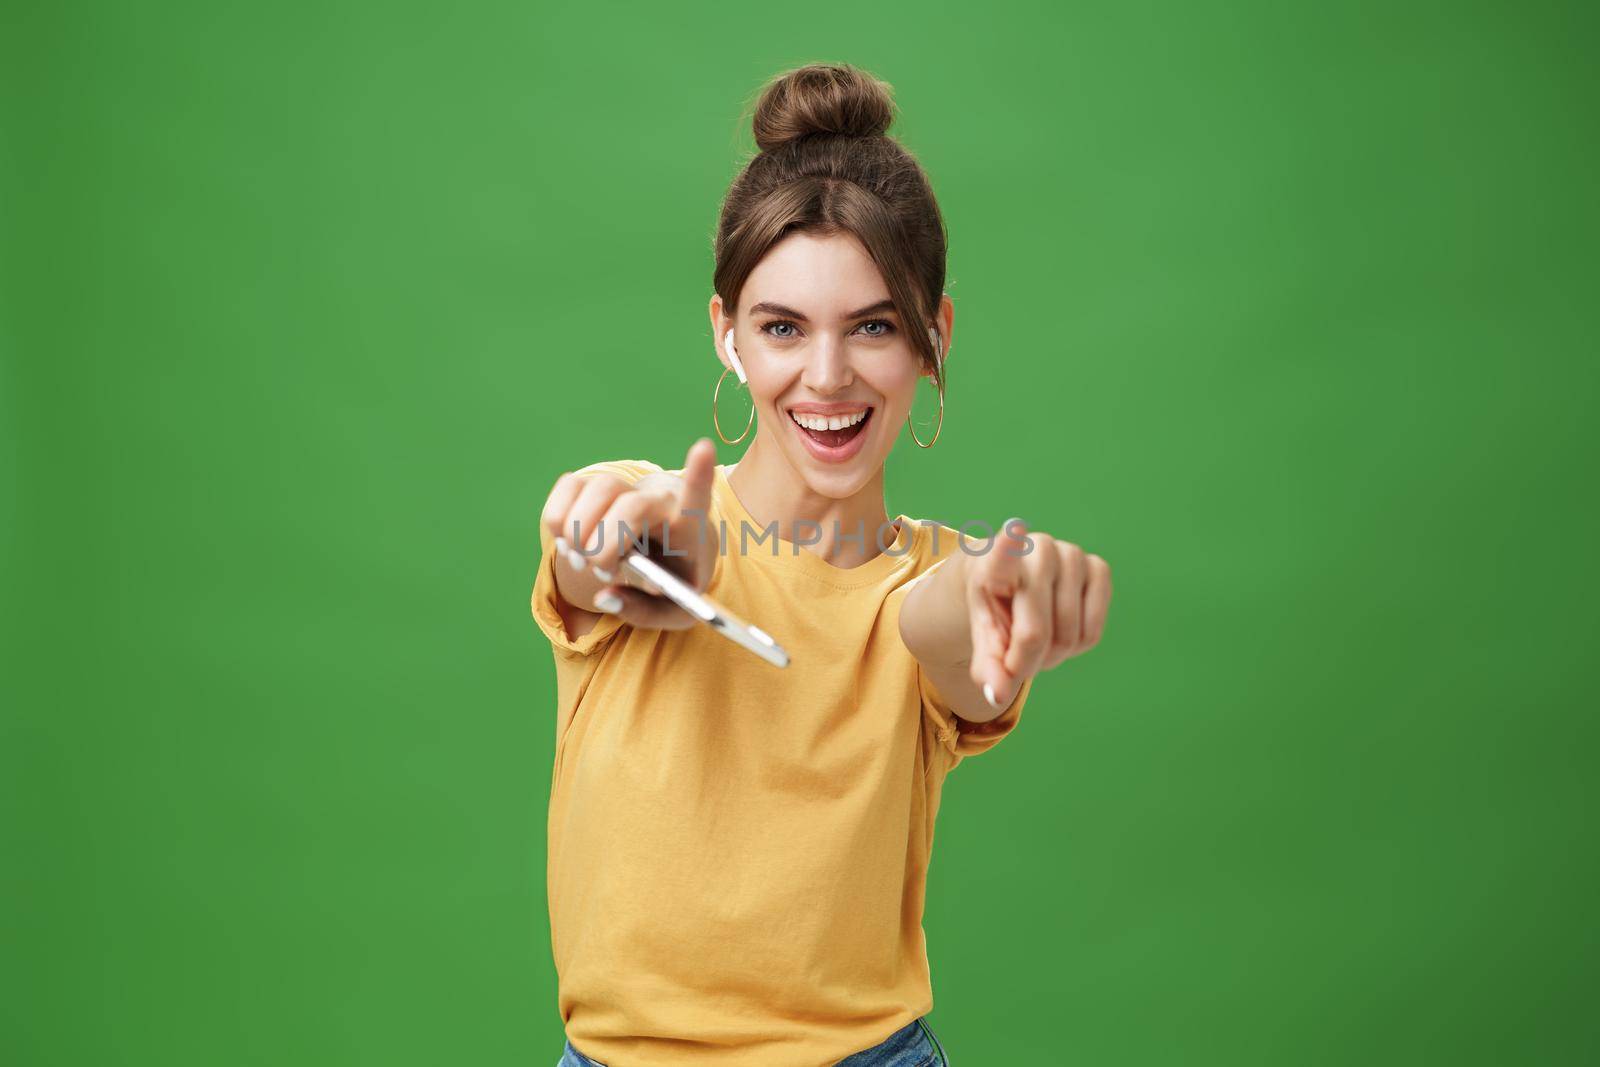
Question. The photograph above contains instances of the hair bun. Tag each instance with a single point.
(822, 98)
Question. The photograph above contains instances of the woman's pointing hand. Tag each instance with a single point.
(1032, 602)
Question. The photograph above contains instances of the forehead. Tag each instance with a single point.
(825, 277)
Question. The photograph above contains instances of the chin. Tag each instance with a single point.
(839, 481)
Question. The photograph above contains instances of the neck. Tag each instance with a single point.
(771, 490)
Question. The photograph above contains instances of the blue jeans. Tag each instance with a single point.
(913, 1045)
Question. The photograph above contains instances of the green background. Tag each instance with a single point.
(1286, 310)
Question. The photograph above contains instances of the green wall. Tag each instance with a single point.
(1286, 310)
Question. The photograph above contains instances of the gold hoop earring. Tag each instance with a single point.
(937, 426)
(748, 423)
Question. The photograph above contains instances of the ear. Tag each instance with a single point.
(941, 330)
(721, 323)
(722, 331)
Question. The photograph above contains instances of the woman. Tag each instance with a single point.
(738, 852)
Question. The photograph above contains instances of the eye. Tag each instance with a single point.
(768, 328)
(789, 332)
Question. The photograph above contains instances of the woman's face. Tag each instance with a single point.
(819, 340)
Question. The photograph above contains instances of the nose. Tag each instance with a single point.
(827, 367)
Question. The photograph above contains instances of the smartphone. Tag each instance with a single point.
(706, 610)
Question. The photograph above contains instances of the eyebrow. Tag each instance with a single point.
(766, 307)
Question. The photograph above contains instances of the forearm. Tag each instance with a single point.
(936, 628)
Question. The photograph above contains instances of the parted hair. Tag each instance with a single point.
(826, 164)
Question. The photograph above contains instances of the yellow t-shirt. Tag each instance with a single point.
(738, 852)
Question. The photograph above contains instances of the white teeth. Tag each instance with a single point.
(827, 422)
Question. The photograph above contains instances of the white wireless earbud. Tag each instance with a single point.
(733, 357)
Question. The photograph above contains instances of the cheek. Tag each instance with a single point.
(765, 387)
(898, 387)
(765, 382)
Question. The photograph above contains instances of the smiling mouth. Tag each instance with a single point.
(813, 427)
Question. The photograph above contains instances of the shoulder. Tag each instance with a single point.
(932, 543)
(629, 470)
(935, 542)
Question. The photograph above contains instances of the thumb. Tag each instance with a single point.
(699, 470)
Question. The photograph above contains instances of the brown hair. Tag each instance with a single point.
(826, 165)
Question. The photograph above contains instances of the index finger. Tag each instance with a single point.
(990, 625)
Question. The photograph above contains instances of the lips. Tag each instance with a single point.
(831, 445)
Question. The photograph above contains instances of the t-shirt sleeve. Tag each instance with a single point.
(958, 737)
(546, 598)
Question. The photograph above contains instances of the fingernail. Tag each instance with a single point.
(561, 545)
(608, 602)
(988, 694)
(601, 573)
